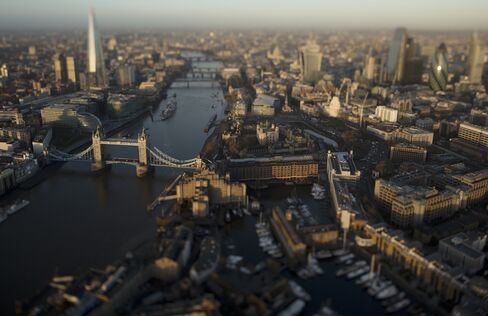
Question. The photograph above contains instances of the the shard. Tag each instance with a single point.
(96, 67)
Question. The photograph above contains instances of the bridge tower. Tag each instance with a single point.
(143, 164)
(98, 163)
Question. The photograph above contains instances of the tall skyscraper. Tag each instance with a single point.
(404, 64)
(373, 68)
(96, 67)
(310, 59)
(396, 56)
(4, 71)
(438, 72)
(60, 68)
(71, 69)
(474, 67)
(126, 75)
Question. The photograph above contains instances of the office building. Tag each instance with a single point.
(60, 69)
(343, 175)
(126, 75)
(72, 69)
(425, 123)
(403, 152)
(463, 252)
(404, 64)
(4, 71)
(414, 135)
(96, 65)
(479, 117)
(414, 206)
(289, 168)
(396, 56)
(372, 68)
(438, 72)
(386, 114)
(476, 58)
(310, 60)
(409, 255)
(474, 134)
(71, 116)
(264, 105)
(286, 234)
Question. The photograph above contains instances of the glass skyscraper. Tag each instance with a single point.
(474, 69)
(96, 67)
(310, 61)
(396, 56)
(438, 73)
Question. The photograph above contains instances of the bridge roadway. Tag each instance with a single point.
(119, 141)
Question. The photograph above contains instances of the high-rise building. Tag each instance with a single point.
(4, 71)
(474, 67)
(96, 67)
(404, 63)
(310, 59)
(126, 75)
(396, 56)
(71, 69)
(386, 114)
(60, 70)
(438, 73)
(373, 68)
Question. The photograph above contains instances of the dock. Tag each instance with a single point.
(163, 196)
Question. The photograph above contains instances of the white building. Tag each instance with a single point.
(334, 109)
(386, 114)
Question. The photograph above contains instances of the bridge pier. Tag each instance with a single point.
(143, 170)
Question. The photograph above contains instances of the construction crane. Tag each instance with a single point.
(344, 81)
(362, 110)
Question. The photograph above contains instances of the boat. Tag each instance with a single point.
(168, 111)
(365, 278)
(207, 261)
(16, 206)
(299, 291)
(344, 258)
(393, 300)
(387, 292)
(340, 252)
(350, 268)
(398, 306)
(358, 272)
(326, 311)
(227, 217)
(378, 286)
(323, 254)
(210, 123)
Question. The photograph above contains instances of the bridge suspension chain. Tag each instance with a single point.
(62, 156)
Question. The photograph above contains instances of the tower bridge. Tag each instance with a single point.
(148, 157)
(200, 74)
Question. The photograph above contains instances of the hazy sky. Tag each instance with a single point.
(347, 14)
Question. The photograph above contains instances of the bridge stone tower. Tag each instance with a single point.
(143, 165)
(98, 163)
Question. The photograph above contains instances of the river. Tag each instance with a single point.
(77, 220)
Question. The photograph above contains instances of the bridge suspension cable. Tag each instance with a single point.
(62, 156)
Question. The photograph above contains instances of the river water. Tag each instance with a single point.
(77, 220)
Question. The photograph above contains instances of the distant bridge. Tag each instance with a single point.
(147, 156)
